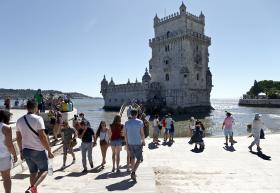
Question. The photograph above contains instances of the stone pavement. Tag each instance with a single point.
(217, 170)
(72, 180)
(174, 169)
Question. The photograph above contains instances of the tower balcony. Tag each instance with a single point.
(177, 35)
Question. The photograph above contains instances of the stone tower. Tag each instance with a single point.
(180, 59)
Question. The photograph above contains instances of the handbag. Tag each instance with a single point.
(73, 143)
(262, 134)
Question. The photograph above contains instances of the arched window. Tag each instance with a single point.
(168, 34)
(167, 77)
(167, 48)
(197, 76)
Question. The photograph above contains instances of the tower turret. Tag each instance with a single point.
(104, 86)
(183, 9)
(146, 77)
(111, 82)
(202, 17)
(156, 20)
(104, 83)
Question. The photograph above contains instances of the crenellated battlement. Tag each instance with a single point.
(132, 87)
(168, 18)
(177, 15)
(174, 35)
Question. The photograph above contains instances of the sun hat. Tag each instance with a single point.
(257, 116)
(228, 113)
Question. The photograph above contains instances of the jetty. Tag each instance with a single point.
(270, 103)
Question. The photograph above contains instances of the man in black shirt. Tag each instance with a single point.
(87, 135)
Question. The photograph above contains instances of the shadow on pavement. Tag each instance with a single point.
(152, 146)
(121, 186)
(260, 154)
(72, 174)
(112, 175)
(168, 143)
(20, 176)
(62, 168)
(197, 150)
(229, 148)
(97, 169)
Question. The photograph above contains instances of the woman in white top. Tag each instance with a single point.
(256, 130)
(103, 134)
(6, 149)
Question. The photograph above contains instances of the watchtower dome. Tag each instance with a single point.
(146, 77)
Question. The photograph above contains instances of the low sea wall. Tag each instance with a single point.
(273, 103)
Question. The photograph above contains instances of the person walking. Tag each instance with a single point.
(197, 136)
(82, 117)
(135, 140)
(256, 130)
(116, 129)
(227, 127)
(172, 131)
(33, 144)
(7, 103)
(38, 97)
(103, 134)
(168, 129)
(69, 136)
(156, 130)
(86, 134)
(191, 128)
(6, 150)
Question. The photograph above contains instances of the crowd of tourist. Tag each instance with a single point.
(35, 149)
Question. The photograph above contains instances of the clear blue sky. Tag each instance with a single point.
(69, 45)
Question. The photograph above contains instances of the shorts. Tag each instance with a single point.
(167, 130)
(228, 132)
(117, 142)
(5, 163)
(136, 151)
(172, 131)
(156, 131)
(40, 106)
(36, 160)
(67, 148)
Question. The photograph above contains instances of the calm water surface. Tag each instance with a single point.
(242, 115)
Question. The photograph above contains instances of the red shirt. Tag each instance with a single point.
(163, 122)
(116, 130)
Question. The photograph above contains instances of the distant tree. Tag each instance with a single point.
(255, 90)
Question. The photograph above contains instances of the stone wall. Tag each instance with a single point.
(260, 102)
(117, 95)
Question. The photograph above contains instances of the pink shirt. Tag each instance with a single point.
(228, 122)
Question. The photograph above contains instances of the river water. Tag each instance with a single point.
(243, 115)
